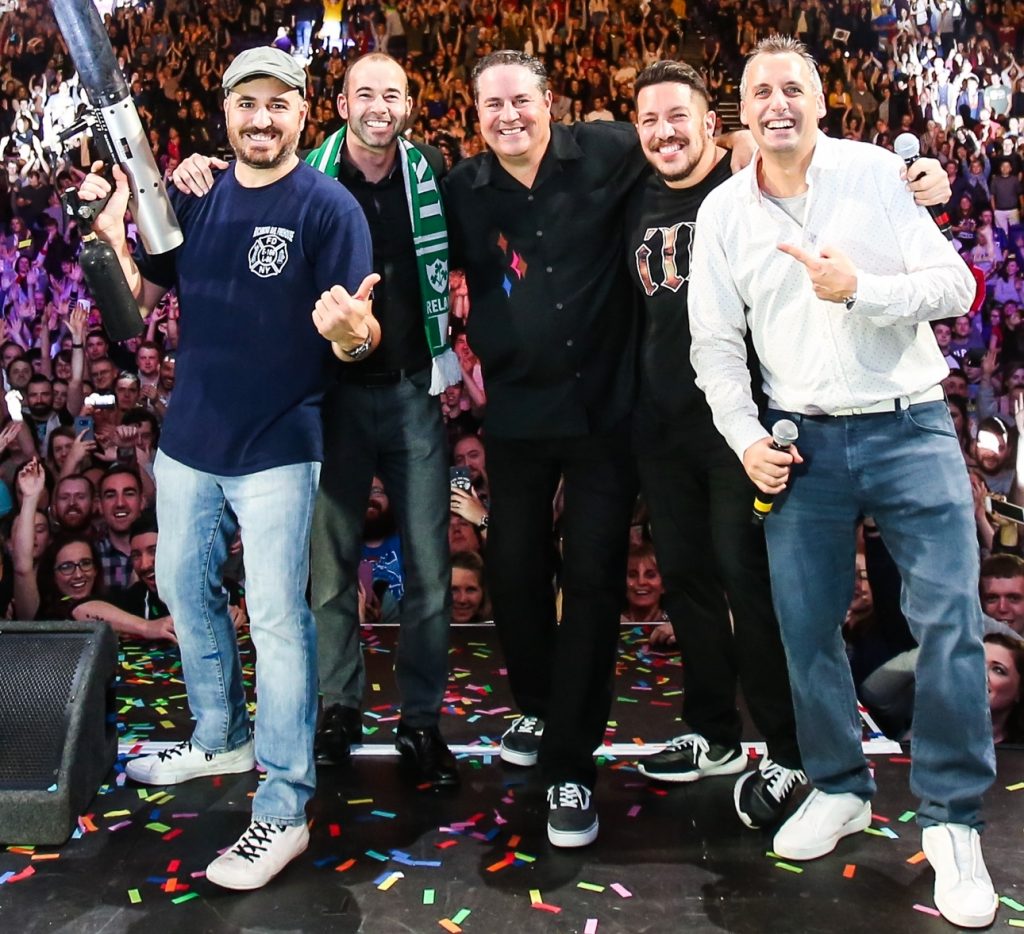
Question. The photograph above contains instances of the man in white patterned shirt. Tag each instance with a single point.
(825, 258)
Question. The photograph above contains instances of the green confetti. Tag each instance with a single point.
(461, 916)
(428, 896)
(187, 897)
(590, 886)
(134, 897)
(158, 827)
(788, 867)
(1010, 903)
(907, 816)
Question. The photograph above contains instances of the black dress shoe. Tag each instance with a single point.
(426, 757)
(340, 729)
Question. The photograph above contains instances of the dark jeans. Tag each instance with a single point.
(395, 432)
(713, 559)
(561, 672)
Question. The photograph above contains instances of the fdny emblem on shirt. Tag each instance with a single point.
(269, 253)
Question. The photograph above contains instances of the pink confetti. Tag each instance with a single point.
(621, 890)
(633, 811)
(925, 910)
(591, 926)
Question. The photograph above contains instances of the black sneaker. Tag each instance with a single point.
(520, 742)
(572, 820)
(691, 757)
(761, 796)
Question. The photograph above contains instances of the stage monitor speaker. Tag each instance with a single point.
(58, 728)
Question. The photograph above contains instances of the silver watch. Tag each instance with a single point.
(361, 350)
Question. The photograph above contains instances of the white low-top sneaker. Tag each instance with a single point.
(258, 855)
(963, 888)
(820, 823)
(184, 762)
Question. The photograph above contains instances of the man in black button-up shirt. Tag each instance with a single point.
(537, 224)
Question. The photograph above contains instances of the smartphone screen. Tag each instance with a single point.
(85, 423)
(459, 478)
(1000, 507)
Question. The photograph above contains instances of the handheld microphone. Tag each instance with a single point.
(784, 435)
(908, 148)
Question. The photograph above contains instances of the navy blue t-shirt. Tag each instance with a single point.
(252, 368)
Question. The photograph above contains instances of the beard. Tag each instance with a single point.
(264, 159)
(378, 525)
(366, 137)
(682, 172)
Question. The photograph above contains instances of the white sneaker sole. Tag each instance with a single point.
(813, 850)
(567, 839)
(525, 759)
(729, 767)
(170, 777)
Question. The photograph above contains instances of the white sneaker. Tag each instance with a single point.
(819, 824)
(963, 888)
(184, 762)
(258, 855)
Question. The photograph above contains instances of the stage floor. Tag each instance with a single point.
(385, 858)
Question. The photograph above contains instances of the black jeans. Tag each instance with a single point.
(395, 432)
(713, 559)
(561, 672)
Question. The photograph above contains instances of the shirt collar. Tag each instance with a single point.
(562, 147)
(349, 170)
(823, 159)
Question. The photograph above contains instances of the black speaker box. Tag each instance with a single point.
(58, 728)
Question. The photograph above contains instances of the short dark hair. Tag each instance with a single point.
(1003, 566)
(511, 57)
(669, 71)
(39, 378)
(115, 470)
(146, 524)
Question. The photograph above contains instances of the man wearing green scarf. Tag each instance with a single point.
(381, 418)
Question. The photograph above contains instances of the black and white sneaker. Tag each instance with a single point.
(691, 757)
(761, 795)
(520, 742)
(572, 820)
(258, 855)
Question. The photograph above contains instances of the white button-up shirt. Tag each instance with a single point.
(817, 357)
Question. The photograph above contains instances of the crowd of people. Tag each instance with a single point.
(407, 461)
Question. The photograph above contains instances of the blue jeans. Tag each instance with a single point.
(905, 470)
(395, 432)
(199, 516)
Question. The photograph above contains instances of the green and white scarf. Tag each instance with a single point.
(430, 238)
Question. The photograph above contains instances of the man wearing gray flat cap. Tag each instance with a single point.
(273, 284)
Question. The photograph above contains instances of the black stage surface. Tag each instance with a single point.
(385, 858)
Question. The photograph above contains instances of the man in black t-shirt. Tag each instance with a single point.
(712, 559)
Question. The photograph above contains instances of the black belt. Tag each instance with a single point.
(373, 378)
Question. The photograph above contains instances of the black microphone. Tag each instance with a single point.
(784, 435)
(908, 148)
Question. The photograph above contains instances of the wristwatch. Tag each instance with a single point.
(361, 350)
(484, 522)
(849, 302)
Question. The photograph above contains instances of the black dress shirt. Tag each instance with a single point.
(552, 311)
